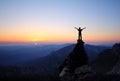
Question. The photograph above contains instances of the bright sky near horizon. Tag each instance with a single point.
(54, 20)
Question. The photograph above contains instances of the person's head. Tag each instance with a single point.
(79, 27)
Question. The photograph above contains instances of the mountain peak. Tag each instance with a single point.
(77, 57)
(76, 64)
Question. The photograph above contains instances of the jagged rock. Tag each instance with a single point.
(83, 72)
(116, 68)
(76, 67)
(66, 75)
(108, 61)
(77, 57)
(80, 73)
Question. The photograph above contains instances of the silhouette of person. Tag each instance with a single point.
(80, 34)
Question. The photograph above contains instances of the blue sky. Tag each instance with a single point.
(45, 20)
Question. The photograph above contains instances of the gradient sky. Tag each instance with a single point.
(54, 20)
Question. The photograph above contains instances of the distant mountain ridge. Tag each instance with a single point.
(11, 55)
(58, 56)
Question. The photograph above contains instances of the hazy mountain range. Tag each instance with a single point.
(45, 67)
(11, 55)
(15, 54)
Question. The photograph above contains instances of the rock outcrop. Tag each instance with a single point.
(76, 67)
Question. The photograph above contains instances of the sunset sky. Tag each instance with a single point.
(54, 20)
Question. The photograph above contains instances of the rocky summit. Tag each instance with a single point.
(76, 67)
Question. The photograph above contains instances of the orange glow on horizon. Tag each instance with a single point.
(45, 40)
(58, 37)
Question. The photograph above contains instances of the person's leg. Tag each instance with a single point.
(78, 37)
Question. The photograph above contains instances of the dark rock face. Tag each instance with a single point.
(77, 57)
(106, 66)
(75, 67)
(108, 60)
(116, 51)
(83, 72)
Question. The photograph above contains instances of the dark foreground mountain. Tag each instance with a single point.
(107, 60)
(106, 67)
(107, 64)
